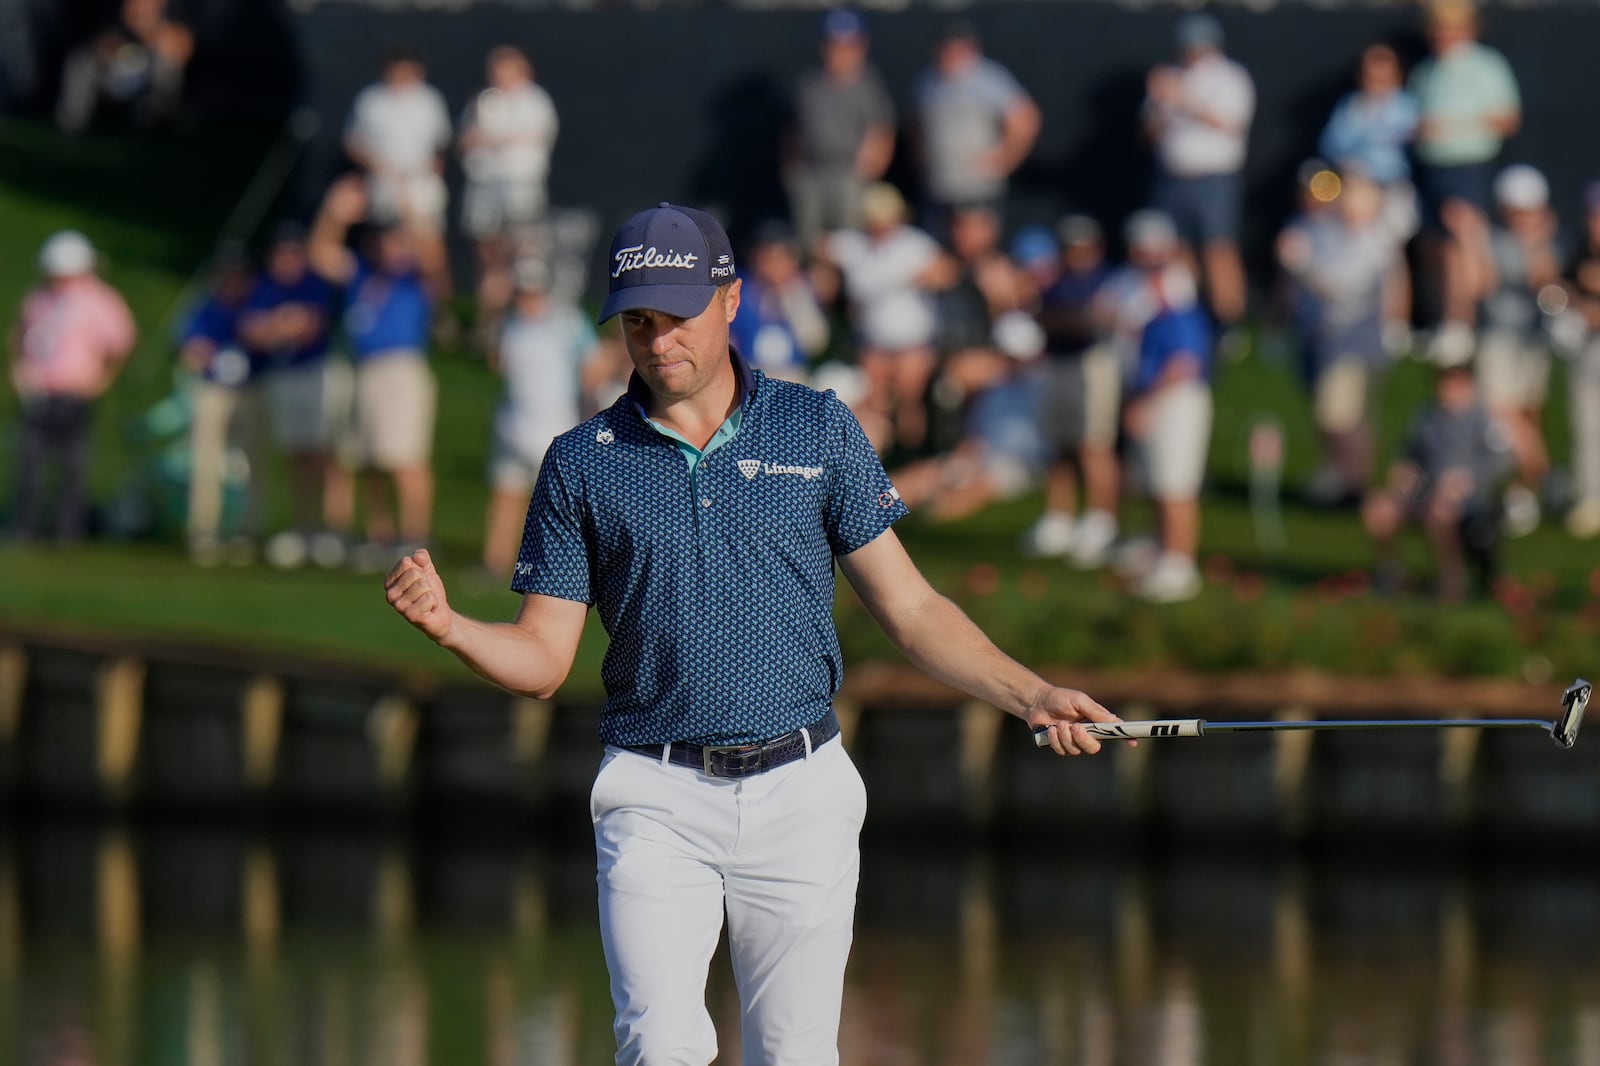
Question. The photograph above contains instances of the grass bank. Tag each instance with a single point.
(154, 207)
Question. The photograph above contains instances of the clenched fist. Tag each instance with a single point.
(416, 592)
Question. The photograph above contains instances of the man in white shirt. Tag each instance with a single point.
(398, 131)
(1197, 115)
(507, 134)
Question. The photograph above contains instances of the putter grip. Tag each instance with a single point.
(1169, 727)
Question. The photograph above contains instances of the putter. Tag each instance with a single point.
(1564, 730)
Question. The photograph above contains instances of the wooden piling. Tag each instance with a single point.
(119, 705)
(261, 727)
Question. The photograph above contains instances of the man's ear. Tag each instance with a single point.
(730, 297)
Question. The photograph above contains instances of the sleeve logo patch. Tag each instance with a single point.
(605, 436)
(890, 498)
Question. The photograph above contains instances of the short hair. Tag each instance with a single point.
(396, 54)
(502, 52)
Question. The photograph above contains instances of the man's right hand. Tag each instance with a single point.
(416, 592)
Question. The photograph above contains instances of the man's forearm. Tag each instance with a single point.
(941, 640)
(505, 654)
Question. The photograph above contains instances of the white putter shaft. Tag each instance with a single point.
(1564, 730)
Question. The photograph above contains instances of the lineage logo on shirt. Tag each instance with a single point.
(751, 467)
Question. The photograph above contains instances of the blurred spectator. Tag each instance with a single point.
(398, 131)
(507, 135)
(137, 62)
(1522, 257)
(1198, 116)
(227, 416)
(889, 268)
(396, 396)
(1078, 404)
(1168, 417)
(780, 327)
(1371, 130)
(1469, 106)
(1338, 261)
(1001, 453)
(984, 285)
(1036, 255)
(844, 133)
(1445, 482)
(544, 353)
(67, 347)
(976, 125)
(1373, 126)
(287, 323)
(1583, 381)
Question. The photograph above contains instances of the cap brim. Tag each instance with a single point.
(682, 301)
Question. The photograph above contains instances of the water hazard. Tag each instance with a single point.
(203, 947)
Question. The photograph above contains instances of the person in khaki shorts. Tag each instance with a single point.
(388, 311)
(1168, 416)
(285, 324)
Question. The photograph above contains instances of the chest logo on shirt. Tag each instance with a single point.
(751, 467)
(605, 436)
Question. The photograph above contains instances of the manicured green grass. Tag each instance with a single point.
(153, 210)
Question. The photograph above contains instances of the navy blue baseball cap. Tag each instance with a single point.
(670, 259)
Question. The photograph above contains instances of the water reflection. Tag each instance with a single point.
(209, 948)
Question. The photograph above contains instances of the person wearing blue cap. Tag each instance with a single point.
(702, 516)
(843, 135)
(1197, 115)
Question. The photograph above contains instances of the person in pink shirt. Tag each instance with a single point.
(67, 347)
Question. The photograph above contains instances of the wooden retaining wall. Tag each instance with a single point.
(107, 724)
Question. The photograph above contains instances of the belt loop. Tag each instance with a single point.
(666, 755)
(805, 733)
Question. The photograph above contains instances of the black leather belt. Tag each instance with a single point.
(746, 760)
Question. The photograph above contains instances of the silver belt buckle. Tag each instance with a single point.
(744, 751)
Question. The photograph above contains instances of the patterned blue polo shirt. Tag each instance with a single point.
(715, 583)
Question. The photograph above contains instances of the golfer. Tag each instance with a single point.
(702, 515)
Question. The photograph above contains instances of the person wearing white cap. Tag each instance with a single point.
(70, 341)
(1167, 413)
(1523, 256)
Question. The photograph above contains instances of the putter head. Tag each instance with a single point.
(1573, 703)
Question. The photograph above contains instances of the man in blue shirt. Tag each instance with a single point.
(285, 325)
(226, 409)
(702, 515)
(388, 313)
(1168, 415)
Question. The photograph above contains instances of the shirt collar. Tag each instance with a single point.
(744, 377)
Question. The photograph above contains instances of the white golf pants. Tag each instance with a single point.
(777, 852)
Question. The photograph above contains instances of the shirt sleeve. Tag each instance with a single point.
(880, 106)
(862, 502)
(554, 560)
(1500, 85)
(1336, 143)
(120, 331)
(441, 119)
(1000, 87)
(1234, 97)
